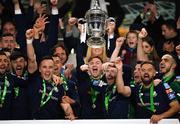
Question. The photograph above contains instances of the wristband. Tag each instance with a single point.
(17, 12)
(29, 41)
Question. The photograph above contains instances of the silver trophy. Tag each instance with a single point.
(96, 25)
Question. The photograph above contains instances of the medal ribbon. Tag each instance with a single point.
(4, 92)
(43, 100)
(64, 82)
(94, 94)
(132, 83)
(24, 77)
(107, 97)
(152, 107)
(16, 90)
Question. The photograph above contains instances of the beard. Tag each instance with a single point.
(147, 82)
(146, 79)
(19, 72)
(167, 70)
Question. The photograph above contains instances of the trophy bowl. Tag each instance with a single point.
(96, 42)
(96, 20)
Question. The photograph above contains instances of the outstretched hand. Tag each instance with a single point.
(40, 23)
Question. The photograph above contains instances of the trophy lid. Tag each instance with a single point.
(96, 9)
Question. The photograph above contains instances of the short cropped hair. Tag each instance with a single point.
(95, 57)
(171, 24)
(17, 54)
(148, 62)
(46, 58)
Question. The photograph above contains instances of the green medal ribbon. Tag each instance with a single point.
(24, 77)
(132, 83)
(64, 80)
(152, 107)
(49, 95)
(94, 94)
(166, 79)
(4, 92)
(16, 90)
(107, 97)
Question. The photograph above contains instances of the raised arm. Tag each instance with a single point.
(16, 5)
(41, 49)
(21, 26)
(30, 14)
(124, 90)
(140, 52)
(119, 43)
(53, 25)
(32, 64)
